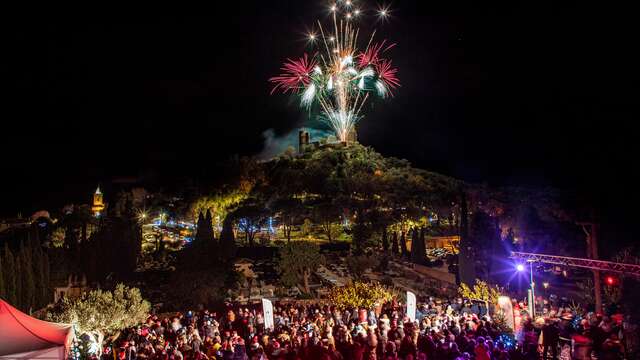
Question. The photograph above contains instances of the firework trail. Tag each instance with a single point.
(340, 77)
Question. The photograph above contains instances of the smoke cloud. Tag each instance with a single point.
(275, 145)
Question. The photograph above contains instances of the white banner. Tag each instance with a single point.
(411, 306)
(504, 302)
(267, 311)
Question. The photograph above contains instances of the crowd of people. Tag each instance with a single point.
(453, 330)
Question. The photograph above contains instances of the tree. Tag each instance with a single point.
(289, 211)
(361, 234)
(628, 299)
(484, 238)
(227, 241)
(208, 226)
(47, 269)
(250, 218)
(403, 246)
(99, 313)
(36, 263)
(3, 291)
(359, 295)
(9, 270)
(466, 257)
(18, 276)
(357, 265)
(75, 226)
(385, 240)
(46, 280)
(222, 203)
(114, 248)
(297, 262)
(26, 276)
(395, 246)
(418, 250)
(204, 230)
(326, 214)
(57, 237)
(71, 238)
(307, 227)
(40, 270)
(480, 291)
(199, 227)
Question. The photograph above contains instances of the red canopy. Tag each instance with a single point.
(21, 333)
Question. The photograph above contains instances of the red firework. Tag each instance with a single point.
(388, 74)
(372, 55)
(294, 74)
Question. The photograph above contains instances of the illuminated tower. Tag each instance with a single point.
(98, 203)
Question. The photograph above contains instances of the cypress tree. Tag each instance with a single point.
(403, 245)
(71, 238)
(39, 278)
(208, 226)
(200, 220)
(227, 241)
(28, 278)
(423, 247)
(18, 277)
(47, 278)
(394, 243)
(415, 246)
(466, 256)
(418, 250)
(35, 269)
(385, 240)
(413, 251)
(3, 294)
(199, 229)
(9, 270)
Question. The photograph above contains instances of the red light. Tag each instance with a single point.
(610, 280)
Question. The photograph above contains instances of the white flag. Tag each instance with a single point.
(411, 306)
(267, 310)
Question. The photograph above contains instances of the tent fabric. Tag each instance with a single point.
(53, 353)
(21, 334)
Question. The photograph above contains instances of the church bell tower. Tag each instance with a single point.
(98, 203)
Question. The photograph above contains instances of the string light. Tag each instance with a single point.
(508, 341)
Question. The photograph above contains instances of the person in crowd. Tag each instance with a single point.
(444, 330)
(550, 338)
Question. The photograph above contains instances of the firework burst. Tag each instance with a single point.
(339, 77)
(295, 74)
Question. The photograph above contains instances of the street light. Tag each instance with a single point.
(520, 268)
(533, 293)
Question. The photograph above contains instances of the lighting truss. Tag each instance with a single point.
(608, 266)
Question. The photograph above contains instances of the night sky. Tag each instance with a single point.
(532, 95)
